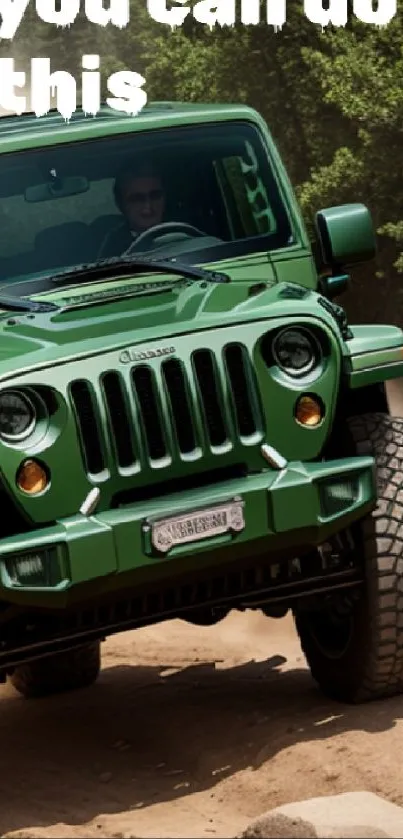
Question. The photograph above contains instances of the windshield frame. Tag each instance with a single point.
(252, 246)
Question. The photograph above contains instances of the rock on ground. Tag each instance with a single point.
(351, 815)
(275, 825)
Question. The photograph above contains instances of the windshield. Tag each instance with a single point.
(197, 194)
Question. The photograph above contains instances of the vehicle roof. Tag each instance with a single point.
(29, 131)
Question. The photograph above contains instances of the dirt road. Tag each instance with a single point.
(189, 732)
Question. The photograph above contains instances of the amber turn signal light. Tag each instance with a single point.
(31, 477)
(309, 411)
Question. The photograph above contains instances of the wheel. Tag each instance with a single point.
(358, 656)
(70, 670)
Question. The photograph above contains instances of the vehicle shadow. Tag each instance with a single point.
(147, 735)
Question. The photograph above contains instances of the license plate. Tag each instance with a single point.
(196, 525)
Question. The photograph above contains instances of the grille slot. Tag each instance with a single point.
(240, 374)
(88, 428)
(144, 386)
(178, 394)
(207, 378)
(119, 419)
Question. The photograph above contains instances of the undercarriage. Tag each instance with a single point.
(318, 580)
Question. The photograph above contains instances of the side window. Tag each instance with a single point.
(245, 197)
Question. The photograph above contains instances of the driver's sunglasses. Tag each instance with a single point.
(143, 197)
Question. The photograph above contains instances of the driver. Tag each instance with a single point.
(140, 196)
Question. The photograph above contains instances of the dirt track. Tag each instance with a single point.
(211, 728)
(190, 732)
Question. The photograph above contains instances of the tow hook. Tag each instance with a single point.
(90, 503)
(273, 457)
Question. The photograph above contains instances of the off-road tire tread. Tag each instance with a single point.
(381, 436)
(70, 670)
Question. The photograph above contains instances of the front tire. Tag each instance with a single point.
(70, 670)
(358, 656)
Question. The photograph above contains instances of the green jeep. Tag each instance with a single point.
(191, 425)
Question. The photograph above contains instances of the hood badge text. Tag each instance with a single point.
(130, 355)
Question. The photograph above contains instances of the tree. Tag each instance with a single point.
(360, 74)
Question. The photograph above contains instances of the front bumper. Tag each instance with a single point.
(283, 511)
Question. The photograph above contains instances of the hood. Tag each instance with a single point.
(119, 314)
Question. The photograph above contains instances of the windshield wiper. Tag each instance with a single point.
(107, 268)
(21, 304)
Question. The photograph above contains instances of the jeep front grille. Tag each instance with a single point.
(157, 414)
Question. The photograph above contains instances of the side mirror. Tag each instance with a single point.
(347, 237)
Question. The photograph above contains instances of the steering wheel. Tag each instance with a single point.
(153, 233)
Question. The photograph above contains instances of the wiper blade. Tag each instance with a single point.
(106, 268)
(21, 304)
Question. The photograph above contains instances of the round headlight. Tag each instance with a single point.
(17, 416)
(296, 351)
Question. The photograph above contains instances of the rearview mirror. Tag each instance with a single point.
(346, 235)
(57, 188)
